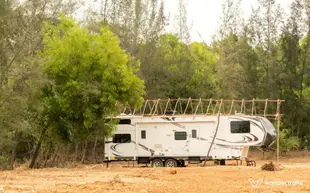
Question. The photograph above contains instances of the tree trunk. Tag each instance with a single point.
(55, 155)
(94, 153)
(66, 155)
(13, 155)
(37, 149)
(105, 11)
(76, 152)
(47, 156)
(39, 159)
(104, 153)
(84, 152)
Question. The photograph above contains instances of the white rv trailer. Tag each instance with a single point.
(170, 140)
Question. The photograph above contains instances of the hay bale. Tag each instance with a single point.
(271, 167)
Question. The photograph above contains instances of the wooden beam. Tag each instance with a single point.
(278, 129)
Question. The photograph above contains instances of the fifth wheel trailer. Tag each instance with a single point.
(171, 140)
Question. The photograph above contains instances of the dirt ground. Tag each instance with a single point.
(98, 178)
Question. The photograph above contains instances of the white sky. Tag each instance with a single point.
(203, 15)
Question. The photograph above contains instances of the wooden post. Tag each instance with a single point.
(176, 106)
(134, 111)
(215, 134)
(156, 107)
(209, 106)
(265, 109)
(253, 103)
(197, 108)
(278, 130)
(217, 101)
(231, 107)
(168, 101)
(263, 155)
(189, 100)
(144, 107)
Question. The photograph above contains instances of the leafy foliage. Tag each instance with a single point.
(90, 74)
(4, 163)
(288, 143)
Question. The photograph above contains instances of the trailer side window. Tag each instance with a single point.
(124, 122)
(194, 133)
(121, 138)
(180, 135)
(143, 134)
(240, 127)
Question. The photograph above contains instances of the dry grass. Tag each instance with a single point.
(271, 167)
(91, 179)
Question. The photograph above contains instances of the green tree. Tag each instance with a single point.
(90, 75)
(236, 71)
(20, 72)
(203, 81)
(178, 70)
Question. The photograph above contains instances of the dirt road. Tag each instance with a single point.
(97, 178)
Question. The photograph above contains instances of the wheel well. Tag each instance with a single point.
(143, 160)
(155, 158)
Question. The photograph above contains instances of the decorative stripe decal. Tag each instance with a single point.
(172, 122)
(255, 138)
(246, 139)
(227, 146)
(113, 148)
(144, 147)
(200, 138)
(243, 141)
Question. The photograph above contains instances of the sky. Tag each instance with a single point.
(203, 15)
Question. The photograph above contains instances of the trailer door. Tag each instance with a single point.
(194, 142)
(180, 143)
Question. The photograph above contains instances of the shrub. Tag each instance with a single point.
(287, 142)
(4, 163)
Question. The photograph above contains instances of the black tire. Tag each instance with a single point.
(222, 162)
(181, 163)
(171, 163)
(157, 163)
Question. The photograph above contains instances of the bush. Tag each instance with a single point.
(288, 143)
(271, 167)
(306, 142)
(4, 163)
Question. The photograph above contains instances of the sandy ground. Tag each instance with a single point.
(98, 178)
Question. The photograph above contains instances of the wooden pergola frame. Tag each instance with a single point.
(193, 107)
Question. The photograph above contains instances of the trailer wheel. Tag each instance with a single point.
(222, 162)
(156, 163)
(181, 163)
(171, 163)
